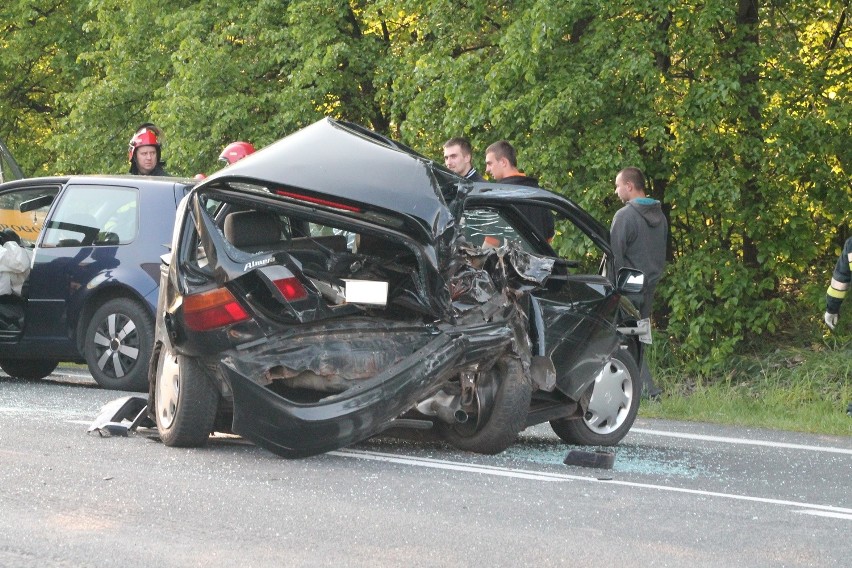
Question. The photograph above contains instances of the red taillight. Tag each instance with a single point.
(212, 309)
(291, 288)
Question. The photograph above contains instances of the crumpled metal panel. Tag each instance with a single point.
(299, 430)
(333, 355)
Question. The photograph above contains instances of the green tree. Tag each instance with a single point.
(737, 112)
(38, 58)
(733, 111)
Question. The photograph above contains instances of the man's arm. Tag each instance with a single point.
(621, 234)
(839, 286)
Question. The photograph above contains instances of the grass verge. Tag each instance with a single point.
(803, 389)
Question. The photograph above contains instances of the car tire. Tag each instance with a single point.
(118, 344)
(612, 408)
(28, 369)
(507, 416)
(185, 401)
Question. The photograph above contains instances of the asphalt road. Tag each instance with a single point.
(679, 494)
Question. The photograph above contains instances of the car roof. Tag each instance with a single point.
(339, 160)
(151, 182)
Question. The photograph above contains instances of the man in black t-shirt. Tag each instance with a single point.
(502, 165)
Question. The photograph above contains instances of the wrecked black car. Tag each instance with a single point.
(336, 285)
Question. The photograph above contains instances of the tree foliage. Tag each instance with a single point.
(737, 111)
(38, 61)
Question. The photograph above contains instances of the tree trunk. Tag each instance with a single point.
(748, 20)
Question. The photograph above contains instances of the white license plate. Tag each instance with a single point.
(366, 292)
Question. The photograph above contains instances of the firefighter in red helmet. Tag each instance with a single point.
(235, 151)
(144, 153)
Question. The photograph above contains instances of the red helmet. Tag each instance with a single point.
(144, 137)
(236, 151)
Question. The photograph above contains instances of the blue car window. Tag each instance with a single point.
(24, 211)
(93, 216)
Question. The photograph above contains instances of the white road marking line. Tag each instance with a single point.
(826, 514)
(545, 476)
(745, 441)
(77, 374)
(442, 464)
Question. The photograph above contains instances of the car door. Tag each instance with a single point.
(23, 210)
(78, 241)
(572, 318)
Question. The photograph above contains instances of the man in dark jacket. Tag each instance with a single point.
(458, 157)
(841, 280)
(839, 286)
(638, 234)
(144, 152)
(638, 240)
(502, 165)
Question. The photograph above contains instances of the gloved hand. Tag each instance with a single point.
(830, 320)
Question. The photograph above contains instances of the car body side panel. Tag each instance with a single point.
(579, 337)
(59, 277)
(577, 312)
(60, 285)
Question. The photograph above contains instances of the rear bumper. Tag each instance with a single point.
(294, 430)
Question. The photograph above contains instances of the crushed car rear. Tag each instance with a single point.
(307, 311)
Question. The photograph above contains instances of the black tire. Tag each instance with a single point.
(612, 412)
(118, 343)
(28, 369)
(185, 401)
(500, 422)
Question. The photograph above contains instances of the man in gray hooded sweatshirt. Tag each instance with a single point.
(638, 239)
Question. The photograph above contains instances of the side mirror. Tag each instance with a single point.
(630, 281)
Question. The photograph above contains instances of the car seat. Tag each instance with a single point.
(253, 231)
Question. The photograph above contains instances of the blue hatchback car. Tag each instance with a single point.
(94, 245)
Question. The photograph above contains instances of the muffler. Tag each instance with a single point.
(449, 415)
(446, 407)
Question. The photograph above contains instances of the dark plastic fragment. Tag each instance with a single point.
(583, 458)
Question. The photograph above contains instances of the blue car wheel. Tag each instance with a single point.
(118, 345)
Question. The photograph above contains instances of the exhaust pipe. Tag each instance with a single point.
(449, 415)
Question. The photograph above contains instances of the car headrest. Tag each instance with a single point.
(252, 228)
